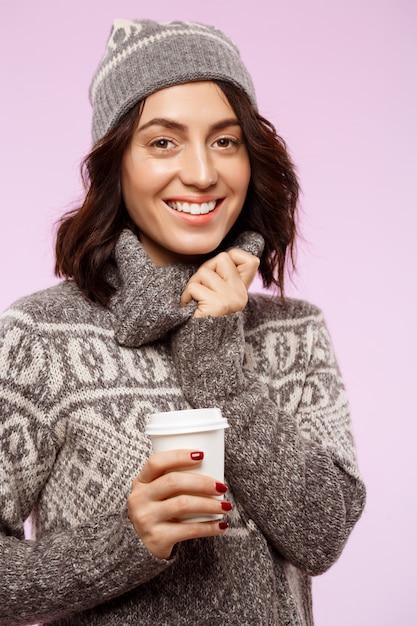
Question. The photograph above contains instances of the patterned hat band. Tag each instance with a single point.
(143, 56)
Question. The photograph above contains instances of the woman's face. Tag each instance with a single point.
(185, 173)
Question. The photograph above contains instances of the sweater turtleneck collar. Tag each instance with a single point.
(146, 303)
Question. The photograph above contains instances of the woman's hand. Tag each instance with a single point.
(220, 285)
(162, 494)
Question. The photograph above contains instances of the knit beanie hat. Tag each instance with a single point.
(143, 56)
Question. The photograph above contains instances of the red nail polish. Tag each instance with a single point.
(223, 525)
(221, 488)
(197, 456)
(226, 506)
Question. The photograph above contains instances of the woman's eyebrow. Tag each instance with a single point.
(162, 121)
(232, 121)
(173, 125)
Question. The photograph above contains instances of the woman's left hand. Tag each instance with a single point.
(220, 285)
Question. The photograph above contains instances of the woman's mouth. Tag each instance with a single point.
(193, 208)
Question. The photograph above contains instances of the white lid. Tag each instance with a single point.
(187, 421)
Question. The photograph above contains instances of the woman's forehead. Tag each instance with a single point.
(186, 103)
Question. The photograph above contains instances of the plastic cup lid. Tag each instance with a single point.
(187, 421)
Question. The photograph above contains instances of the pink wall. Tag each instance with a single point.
(339, 81)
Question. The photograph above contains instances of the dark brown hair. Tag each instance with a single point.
(87, 235)
(272, 198)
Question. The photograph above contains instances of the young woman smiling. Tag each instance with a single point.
(186, 172)
(189, 192)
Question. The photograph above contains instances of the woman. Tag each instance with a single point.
(189, 193)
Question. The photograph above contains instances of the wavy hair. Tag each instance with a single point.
(86, 236)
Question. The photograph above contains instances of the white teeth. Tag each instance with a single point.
(193, 208)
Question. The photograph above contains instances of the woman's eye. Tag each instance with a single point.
(162, 144)
(226, 142)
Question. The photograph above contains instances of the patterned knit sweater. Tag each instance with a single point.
(77, 382)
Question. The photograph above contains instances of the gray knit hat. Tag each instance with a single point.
(143, 56)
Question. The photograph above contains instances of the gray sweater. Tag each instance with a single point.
(77, 382)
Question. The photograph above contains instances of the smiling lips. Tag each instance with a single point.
(193, 208)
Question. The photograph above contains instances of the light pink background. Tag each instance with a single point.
(339, 81)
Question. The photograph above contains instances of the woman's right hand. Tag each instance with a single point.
(162, 494)
(220, 285)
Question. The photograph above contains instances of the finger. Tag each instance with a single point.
(208, 288)
(186, 506)
(204, 286)
(203, 276)
(219, 275)
(233, 266)
(176, 510)
(186, 296)
(246, 264)
(222, 264)
(210, 303)
(161, 462)
(196, 291)
(218, 287)
(174, 483)
(160, 538)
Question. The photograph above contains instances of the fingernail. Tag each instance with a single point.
(226, 506)
(197, 456)
(223, 525)
(221, 488)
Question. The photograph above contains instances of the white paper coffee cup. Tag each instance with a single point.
(196, 429)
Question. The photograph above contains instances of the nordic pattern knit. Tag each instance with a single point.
(77, 382)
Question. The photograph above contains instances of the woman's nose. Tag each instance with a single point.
(198, 168)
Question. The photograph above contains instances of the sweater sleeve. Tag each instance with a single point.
(70, 569)
(292, 471)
